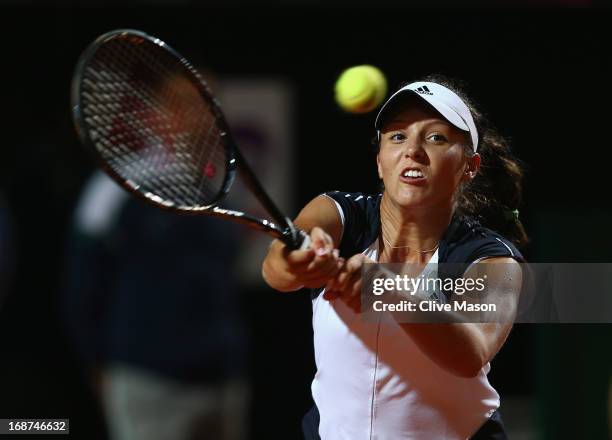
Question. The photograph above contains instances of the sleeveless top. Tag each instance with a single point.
(372, 380)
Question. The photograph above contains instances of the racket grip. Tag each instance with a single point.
(295, 238)
(305, 241)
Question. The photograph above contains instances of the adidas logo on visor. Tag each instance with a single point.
(423, 90)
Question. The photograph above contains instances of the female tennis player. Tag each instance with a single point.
(451, 188)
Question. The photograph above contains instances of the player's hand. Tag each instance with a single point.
(315, 266)
(346, 285)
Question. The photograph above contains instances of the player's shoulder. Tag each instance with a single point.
(354, 196)
(466, 241)
(359, 210)
(355, 200)
(360, 215)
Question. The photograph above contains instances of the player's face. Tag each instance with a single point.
(422, 158)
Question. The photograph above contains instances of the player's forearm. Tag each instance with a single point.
(460, 349)
(452, 344)
(463, 343)
(449, 339)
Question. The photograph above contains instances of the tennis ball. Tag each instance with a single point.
(360, 89)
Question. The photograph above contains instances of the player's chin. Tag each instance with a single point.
(409, 198)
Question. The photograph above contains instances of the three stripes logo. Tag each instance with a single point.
(423, 90)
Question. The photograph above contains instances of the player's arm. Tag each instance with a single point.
(287, 270)
(464, 348)
(459, 347)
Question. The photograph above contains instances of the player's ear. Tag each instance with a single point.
(472, 165)
(380, 174)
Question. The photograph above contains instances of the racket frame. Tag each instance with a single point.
(282, 227)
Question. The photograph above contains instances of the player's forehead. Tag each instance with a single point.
(411, 110)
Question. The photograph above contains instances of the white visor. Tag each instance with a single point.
(445, 101)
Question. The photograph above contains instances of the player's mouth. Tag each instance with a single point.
(412, 176)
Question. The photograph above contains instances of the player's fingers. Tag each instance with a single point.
(322, 262)
(352, 295)
(331, 268)
(298, 258)
(330, 295)
(356, 289)
(355, 262)
(347, 288)
(323, 275)
(322, 242)
(352, 265)
(351, 269)
(331, 284)
(350, 273)
(330, 287)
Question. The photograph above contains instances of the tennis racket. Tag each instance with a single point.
(155, 127)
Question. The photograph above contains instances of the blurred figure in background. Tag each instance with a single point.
(151, 304)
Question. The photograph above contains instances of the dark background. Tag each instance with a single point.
(543, 74)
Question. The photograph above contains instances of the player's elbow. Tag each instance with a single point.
(469, 366)
(466, 362)
(469, 370)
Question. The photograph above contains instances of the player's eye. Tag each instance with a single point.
(437, 138)
(397, 136)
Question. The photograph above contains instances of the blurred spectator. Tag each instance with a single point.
(151, 305)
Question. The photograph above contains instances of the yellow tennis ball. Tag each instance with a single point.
(360, 89)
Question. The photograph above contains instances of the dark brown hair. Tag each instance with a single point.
(494, 195)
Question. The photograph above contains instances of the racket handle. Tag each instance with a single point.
(295, 238)
(305, 241)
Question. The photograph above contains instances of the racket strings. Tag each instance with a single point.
(151, 125)
(163, 119)
(129, 160)
(180, 101)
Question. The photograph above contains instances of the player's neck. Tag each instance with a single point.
(412, 235)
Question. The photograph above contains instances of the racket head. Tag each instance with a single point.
(151, 121)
